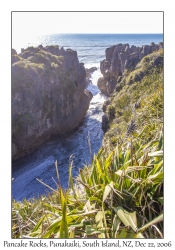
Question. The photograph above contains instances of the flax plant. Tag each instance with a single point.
(120, 193)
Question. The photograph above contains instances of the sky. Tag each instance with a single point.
(31, 23)
(28, 26)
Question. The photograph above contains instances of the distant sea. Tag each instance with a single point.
(40, 163)
(90, 47)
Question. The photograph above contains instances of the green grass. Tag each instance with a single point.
(120, 194)
(118, 181)
(149, 94)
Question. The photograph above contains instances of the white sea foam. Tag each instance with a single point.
(95, 76)
(98, 97)
(90, 65)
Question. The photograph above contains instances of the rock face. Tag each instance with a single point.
(48, 96)
(128, 95)
(118, 58)
(89, 71)
(105, 123)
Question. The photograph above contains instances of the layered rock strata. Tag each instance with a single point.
(48, 95)
(149, 67)
(119, 58)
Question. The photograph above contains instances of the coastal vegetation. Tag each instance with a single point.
(120, 194)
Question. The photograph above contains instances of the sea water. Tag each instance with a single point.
(41, 163)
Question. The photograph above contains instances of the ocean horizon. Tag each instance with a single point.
(90, 47)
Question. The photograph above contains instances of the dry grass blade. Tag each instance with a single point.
(107, 190)
(89, 144)
(58, 177)
(154, 221)
(19, 224)
(158, 231)
(47, 186)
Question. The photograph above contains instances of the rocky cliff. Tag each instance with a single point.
(136, 84)
(48, 95)
(119, 58)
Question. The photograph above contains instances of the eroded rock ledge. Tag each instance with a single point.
(119, 58)
(48, 96)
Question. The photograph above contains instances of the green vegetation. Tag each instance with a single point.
(146, 94)
(120, 194)
(70, 50)
(16, 58)
(52, 47)
(46, 58)
(145, 67)
(25, 77)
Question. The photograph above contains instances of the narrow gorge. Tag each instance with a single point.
(78, 183)
(58, 111)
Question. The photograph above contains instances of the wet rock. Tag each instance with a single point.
(90, 71)
(88, 93)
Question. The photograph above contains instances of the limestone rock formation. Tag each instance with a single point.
(48, 95)
(89, 71)
(130, 92)
(105, 104)
(119, 58)
(105, 123)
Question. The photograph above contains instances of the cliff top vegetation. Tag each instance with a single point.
(120, 194)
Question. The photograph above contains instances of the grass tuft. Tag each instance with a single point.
(120, 194)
